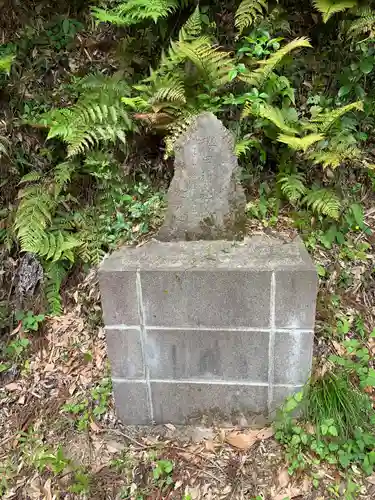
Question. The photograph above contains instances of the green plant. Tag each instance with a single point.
(248, 11)
(342, 420)
(330, 7)
(136, 11)
(29, 320)
(162, 473)
(80, 483)
(16, 349)
(90, 408)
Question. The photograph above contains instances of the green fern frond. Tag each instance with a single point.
(57, 245)
(86, 125)
(31, 177)
(103, 84)
(192, 28)
(266, 67)
(169, 90)
(330, 7)
(6, 63)
(55, 273)
(135, 11)
(335, 156)
(32, 217)
(292, 186)
(248, 11)
(271, 113)
(243, 146)
(325, 120)
(323, 202)
(62, 174)
(212, 63)
(300, 143)
(176, 129)
(190, 31)
(365, 24)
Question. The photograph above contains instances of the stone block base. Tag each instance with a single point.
(207, 326)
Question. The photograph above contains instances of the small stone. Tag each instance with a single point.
(205, 198)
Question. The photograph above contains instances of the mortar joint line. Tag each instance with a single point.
(271, 345)
(143, 337)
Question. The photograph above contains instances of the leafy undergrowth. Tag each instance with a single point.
(60, 437)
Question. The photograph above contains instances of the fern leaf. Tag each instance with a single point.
(32, 217)
(300, 143)
(292, 186)
(6, 63)
(62, 174)
(192, 28)
(323, 202)
(213, 64)
(271, 113)
(171, 90)
(266, 67)
(330, 7)
(248, 11)
(31, 177)
(135, 11)
(325, 120)
(243, 146)
(55, 273)
(365, 24)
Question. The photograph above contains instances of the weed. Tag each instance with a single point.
(80, 483)
(92, 408)
(162, 473)
(29, 320)
(336, 426)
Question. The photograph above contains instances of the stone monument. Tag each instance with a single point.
(199, 321)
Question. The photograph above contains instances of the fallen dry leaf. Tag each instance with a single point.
(371, 479)
(245, 440)
(283, 478)
(241, 440)
(265, 433)
(210, 446)
(94, 427)
(12, 387)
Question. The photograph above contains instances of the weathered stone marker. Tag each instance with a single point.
(205, 199)
(199, 326)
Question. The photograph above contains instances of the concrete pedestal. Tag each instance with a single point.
(201, 326)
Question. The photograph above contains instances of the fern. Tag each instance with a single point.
(6, 63)
(248, 11)
(323, 202)
(300, 143)
(192, 28)
(324, 121)
(266, 67)
(32, 217)
(31, 177)
(176, 129)
(98, 116)
(57, 245)
(243, 146)
(330, 7)
(365, 24)
(335, 155)
(212, 63)
(135, 11)
(62, 174)
(270, 113)
(292, 186)
(170, 90)
(55, 273)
